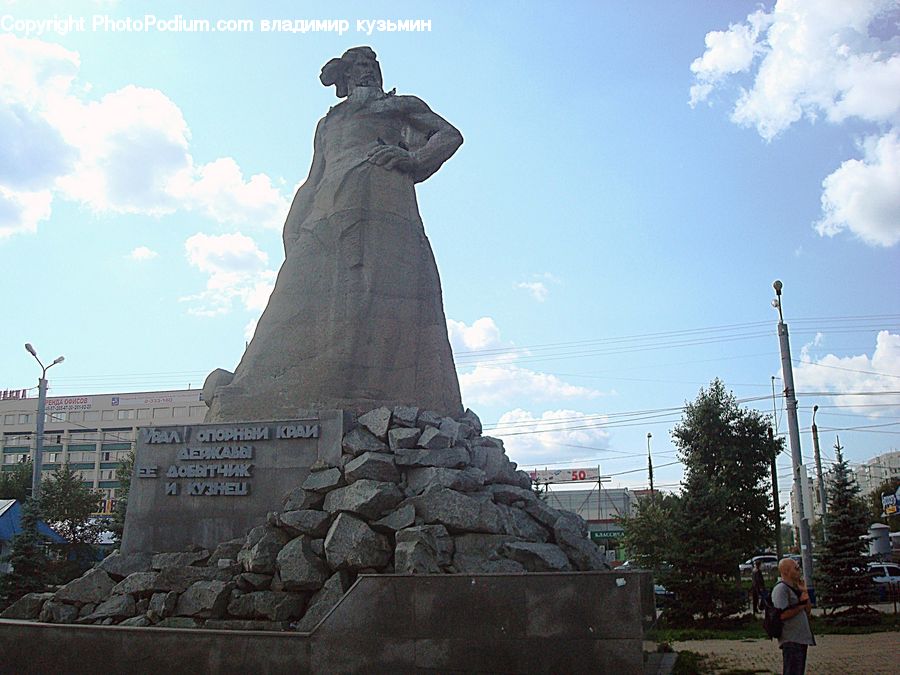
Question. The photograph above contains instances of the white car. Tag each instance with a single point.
(886, 577)
(767, 563)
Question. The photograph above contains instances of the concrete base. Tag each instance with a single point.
(579, 622)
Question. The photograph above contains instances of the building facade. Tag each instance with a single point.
(90, 433)
(600, 507)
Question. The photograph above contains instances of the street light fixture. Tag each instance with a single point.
(39, 429)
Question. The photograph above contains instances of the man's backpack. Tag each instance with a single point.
(772, 623)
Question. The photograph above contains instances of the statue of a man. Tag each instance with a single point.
(356, 318)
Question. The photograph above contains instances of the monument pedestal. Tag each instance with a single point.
(206, 484)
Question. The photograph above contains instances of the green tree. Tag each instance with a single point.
(876, 509)
(16, 484)
(648, 533)
(26, 558)
(724, 512)
(841, 578)
(68, 506)
(124, 471)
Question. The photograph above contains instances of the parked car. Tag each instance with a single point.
(886, 577)
(768, 563)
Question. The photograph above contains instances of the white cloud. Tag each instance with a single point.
(126, 152)
(142, 253)
(482, 334)
(501, 384)
(832, 373)
(537, 289)
(530, 440)
(20, 212)
(833, 59)
(863, 196)
(237, 271)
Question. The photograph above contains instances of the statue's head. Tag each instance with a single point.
(357, 67)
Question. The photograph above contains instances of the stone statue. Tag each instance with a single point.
(356, 318)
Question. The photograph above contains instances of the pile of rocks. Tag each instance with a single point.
(415, 493)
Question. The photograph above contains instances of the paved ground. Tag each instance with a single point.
(832, 655)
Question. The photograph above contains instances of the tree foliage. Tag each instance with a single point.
(16, 484)
(68, 506)
(26, 557)
(124, 471)
(876, 509)
(648, 533)
(725, 510)
(841, 577)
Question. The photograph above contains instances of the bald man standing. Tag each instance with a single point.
(790, 596)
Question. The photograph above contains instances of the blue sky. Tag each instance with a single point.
(634, 177)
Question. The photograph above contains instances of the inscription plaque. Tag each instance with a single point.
(208, 483)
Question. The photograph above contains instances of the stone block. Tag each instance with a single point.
(462, 480)
(261, 556)
(268, 605)
(404, 416)
(299, 568)
(251, 581)
(375, 466)
(367, 498)
(227, 550)
(403, 438)
(403, 516)
(456, 457)
(537, 557)
(28, 607)
(427, 418)
(138, 584)
(323, 481)
(310, 522)
(299, 499)
(352, 545)
(116, 607)
(118, 565)
(433, 438)
(361, 440)
(94, 585)
(163, 604)
(58, 612)
(179, 559)
(204, 600)
(458, 512)
(377, 422)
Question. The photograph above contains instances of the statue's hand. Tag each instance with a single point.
(393, 157)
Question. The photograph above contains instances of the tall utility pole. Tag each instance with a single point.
(775, 504)
(650, 462)
(787, 373)
(39, 427)
(822, 497)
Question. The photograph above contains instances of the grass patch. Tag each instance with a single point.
(747, 627)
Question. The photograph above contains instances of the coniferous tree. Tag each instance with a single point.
(123, 473)
(16, 484)
(724, 513)
(841, 577)
(68, 506)
(27, 559)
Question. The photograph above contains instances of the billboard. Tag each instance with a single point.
(591, 475)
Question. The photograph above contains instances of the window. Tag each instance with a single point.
(161, 412)
(56, 417)
(198, 410)
(179, 411)
(74, 416)
(109, 415)
(91, 415)
(125, 414)
(9, 419)
(24, 418)
(105, 456)
(143, 413)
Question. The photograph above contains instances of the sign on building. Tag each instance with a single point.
(566, 475)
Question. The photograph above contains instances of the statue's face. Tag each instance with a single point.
(363, 73)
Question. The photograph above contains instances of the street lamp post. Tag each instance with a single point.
(790, 397)
(822, 497)
(650, 463)
(39, 429)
